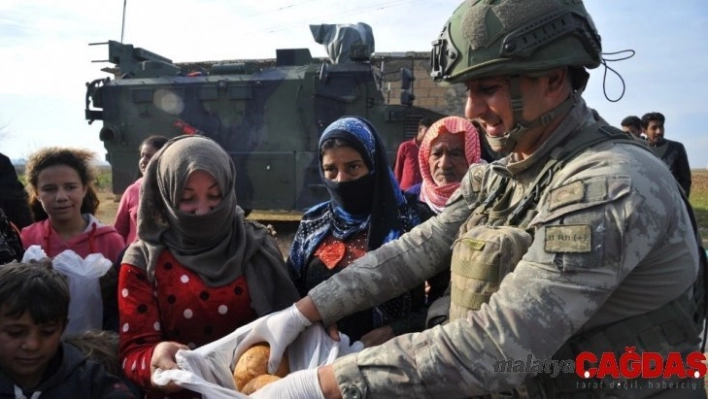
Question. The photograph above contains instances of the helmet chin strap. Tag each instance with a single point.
(507, 142)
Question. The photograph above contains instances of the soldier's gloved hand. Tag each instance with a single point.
(279, 330)
(297, 385)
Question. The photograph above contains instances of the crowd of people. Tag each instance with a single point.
(511, 232)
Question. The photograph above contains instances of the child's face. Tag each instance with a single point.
(26, 348)
(61, 192)
(146, 153)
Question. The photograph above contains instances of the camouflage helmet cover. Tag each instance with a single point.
(512, 37)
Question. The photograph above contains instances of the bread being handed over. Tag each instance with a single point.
(254, 363)
(258, 383)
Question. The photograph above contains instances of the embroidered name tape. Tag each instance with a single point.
(568, 239)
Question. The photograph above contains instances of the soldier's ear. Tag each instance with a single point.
(557, 80)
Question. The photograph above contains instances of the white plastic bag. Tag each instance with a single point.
(34, 252)
(208, 369)
(86, 302)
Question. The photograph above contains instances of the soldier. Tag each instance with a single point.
(604, 250)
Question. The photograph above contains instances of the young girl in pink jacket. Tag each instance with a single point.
(63, 203)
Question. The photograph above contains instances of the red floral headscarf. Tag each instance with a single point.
(430, 193)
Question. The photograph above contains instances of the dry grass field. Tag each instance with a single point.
(699, 200)
(108, 207)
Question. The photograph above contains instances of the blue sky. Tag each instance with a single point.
(47, 61)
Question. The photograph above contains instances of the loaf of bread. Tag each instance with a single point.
(258, 383)
(253, 363)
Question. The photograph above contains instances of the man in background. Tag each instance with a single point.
(406, 170)
(632, 125)
(671, 152)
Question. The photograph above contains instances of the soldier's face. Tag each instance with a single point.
(654, 131)
(447, 158)
(489, 103)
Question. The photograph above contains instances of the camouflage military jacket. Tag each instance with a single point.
(612, 239)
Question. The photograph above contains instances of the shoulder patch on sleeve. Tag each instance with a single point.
(568, 238)
(591, 190)
(568, 194)
(582, 194)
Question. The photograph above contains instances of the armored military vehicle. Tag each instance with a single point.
(268, 118)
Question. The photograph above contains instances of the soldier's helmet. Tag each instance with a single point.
(514, 37)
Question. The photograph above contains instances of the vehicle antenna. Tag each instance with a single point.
(122, 27)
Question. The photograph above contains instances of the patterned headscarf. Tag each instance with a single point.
(391, 215)
(436, 196)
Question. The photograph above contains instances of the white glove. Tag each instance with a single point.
(345, 347)
(297, 385)
(279, 330)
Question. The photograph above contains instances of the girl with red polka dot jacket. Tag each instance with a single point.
(198, 270)
(367, 209)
